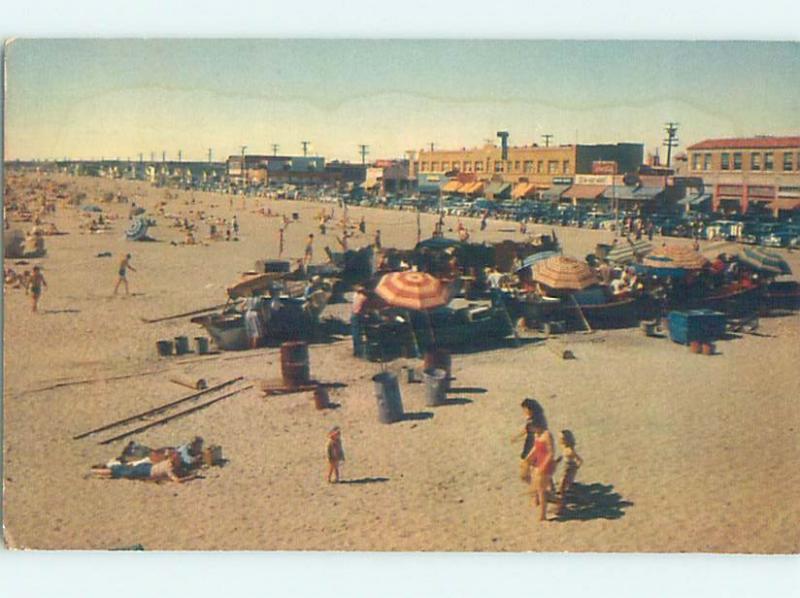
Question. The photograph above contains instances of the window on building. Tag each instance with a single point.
(528, 166)
(706, 161)
(435, 166)
(516, 166)
(695, 161)
(737, 160)
(467, 166)
(424, 167)
(565, 167)
(769, 161)
(509, 166)
(755, 161)
(540, 166)
(498, 166)
(787, 161)
(552, 167)
(478, 166)
(445, 166)
(726, 161)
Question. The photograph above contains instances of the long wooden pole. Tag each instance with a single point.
(164, 420)
(157, 409)
(185, 314)
(580, 312)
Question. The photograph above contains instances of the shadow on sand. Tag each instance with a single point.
(365, 481)
(467, 390)
(417, 416)
(455, 401)
(593, 501)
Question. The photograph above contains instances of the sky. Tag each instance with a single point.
(87, 99)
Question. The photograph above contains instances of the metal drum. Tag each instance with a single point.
(435, 387)
(295, 367)
(181, 345)
(387, 394)
(439, 359)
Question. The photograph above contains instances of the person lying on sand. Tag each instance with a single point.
(168, 469)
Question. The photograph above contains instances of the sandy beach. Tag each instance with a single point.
(682, 452)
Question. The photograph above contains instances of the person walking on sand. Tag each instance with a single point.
(124, 266)
(541, 458)
(36, 283)
(377, 243)
(572, 461)
(362, 226)
(335, 453)
(357, 320)
(309, 251)
(280, 242)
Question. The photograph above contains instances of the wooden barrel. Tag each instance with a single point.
(295, 367)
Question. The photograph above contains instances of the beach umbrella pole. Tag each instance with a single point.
(580, 312)
(413, 335)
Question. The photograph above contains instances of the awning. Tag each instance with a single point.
(497, 188)
(472, 188)
(629, 193)
(785, 204)
(554, 192)
(452, 186)
(695, 200)
(590, 192)
(523, 190)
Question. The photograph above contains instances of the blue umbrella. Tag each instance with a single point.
(536, 257)
(764, 260)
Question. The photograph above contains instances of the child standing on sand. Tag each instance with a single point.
(335, 453)
(572, 461)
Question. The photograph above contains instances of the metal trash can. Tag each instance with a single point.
(202, 345)
(387, 394)
(165, 348)
(181, 345)
(435, 387)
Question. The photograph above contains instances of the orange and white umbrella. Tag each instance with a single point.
(412, 290)
(675, 256)
(563, 272)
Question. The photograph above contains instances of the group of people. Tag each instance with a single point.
(140, 462)
(33, 282)
(538, 459)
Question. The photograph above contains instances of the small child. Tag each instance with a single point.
(335, 453)
(572, 461)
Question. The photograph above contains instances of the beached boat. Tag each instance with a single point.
(783, 294)
(290, 319)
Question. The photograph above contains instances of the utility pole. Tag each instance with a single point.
(547, 137)
(209, 155)
(363, 150)
(275, 148)
(431, 144)
(671, 129)
(180, 155)
(141, 158)
(305, 145)
(163, 156)
(244, 147)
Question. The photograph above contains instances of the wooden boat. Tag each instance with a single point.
(601, 312)
(782, 295)
(296, 319)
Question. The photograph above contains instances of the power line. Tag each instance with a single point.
(547, 137)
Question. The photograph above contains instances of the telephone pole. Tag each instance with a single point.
(244, 147)
(305, 147)
(275, 148)
(547, 137)
(209, 155)
(671, 129)
(431, 144)
(180, 155)
(363, 150)
(163, 156)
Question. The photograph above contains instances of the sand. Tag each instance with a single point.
(682, 452)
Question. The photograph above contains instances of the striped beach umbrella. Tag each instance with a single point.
(137, 230)
(764, 260)
(562, 272)
(680, 257)
(536, 257)
(412, 290)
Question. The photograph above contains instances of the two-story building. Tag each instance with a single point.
(755, 174)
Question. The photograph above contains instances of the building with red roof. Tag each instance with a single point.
(749, 174)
